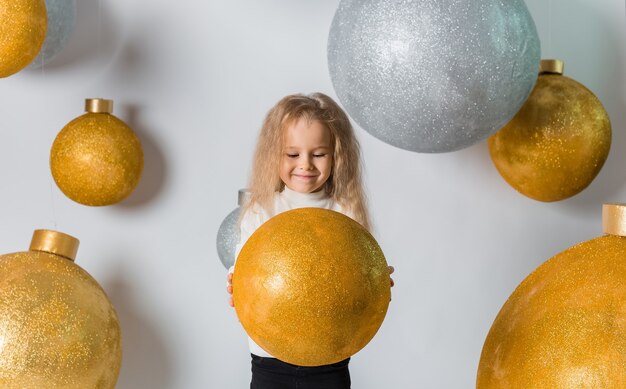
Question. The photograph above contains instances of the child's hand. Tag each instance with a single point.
(229, 289)
(391, 269)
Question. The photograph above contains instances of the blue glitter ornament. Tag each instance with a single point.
(61, 23)
(432, 75)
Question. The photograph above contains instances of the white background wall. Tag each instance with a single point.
(194, 79)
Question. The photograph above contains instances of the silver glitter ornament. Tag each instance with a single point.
(432, 75)
(228, 234)
(61, 23)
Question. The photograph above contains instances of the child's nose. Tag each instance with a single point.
(307, 163)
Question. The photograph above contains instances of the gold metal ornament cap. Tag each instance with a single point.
(244, 196)
(614, 219)
(55, 242)
(98, 105)
(551, 66)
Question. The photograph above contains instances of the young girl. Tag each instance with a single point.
(306, 156)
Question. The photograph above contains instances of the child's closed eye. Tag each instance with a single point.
(292, 155)
(319, 155)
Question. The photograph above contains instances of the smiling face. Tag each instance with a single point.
(307, 158)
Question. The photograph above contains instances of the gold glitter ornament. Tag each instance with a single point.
(57, 326)
(557, 143)
(96, 159)
(311, 286)
(23, 25)
(565, 325)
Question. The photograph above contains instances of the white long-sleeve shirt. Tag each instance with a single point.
(283, 201)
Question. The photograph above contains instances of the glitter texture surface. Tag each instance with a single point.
(57, 327)
(565, 325)
(96, 159)
(432, 75)
(228, 236)
(311, 287)
(22, 33)
(61, 22)
(556, 144)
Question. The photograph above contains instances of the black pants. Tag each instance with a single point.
(270, 373)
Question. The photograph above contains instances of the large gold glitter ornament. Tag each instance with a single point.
(565, 325)
(57, 327)
(557, 143)
(311, 287)
(23, 25)
(96, 159)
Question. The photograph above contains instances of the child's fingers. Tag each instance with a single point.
(229, 289)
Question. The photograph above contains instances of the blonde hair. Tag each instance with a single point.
(344, 185)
